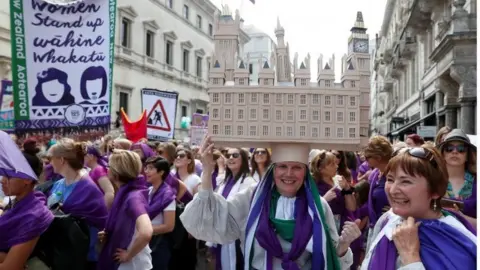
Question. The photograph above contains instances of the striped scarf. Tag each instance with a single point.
(324, 252)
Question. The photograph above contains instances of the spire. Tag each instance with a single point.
(302, 66)
(359, 25)
(280, 34)
(326, 66)
(266, 65)
(242, 65)
(279, 27)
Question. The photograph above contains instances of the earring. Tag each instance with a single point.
(434, 205)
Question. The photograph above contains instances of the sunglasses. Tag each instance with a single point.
(234, 155)
(261, 152)
(460, 148)
(422, 153)
(180, 156)
(160, 152)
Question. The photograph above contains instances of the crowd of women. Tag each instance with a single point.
(114, 204)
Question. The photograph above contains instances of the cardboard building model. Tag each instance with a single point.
(284, 107)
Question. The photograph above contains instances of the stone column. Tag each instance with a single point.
(467, 116)
(451, 117)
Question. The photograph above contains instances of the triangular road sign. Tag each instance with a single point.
(158, 118)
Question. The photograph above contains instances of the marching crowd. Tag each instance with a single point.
(114, 204)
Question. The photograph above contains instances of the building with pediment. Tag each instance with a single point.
(285, 105)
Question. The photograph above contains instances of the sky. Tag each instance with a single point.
(311, 26)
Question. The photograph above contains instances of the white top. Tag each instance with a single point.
(393, 221)
(192, 181)
(210, 217)
(158, 220)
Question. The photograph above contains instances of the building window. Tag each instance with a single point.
(327, 83)
(303, 131)
(215, 98)
(289, 131)
(228, 130)
(328, 100)
(278, 115)
(266, 98)
(199, 22)
(303, 99)
(266, 114)
(185, 12)
(253, 131)
(351, 133)
(240, 130)
(327, 117)
(241, 81)
(169, 53)
(170, 3)
(290, 99)
(228, 98)
(303, 114)
(250, 68)
(240, 114)
(352, 117)
(340, 132)
(253, 114)
(184, 110)
(149, 44)
(289, 115)
(352, 84)
(199, 66)
(339, 116)
(278, 98)
(241, 98)
(123, 101)
(125, 32)
(253, 98)
(327, 132)
(340, 100)
(278, 131)
(215, 129)
(200, 111)
(215, 113)
(315, 115)
(316, 99)
(227, 114)
(210, 29)
(353, 101)
(186, 55)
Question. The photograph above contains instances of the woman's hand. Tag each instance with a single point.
(122, 255)
(405, 237)
(342, 182)
(330, 195)
(350, 232)
(206, 154)
(102, 237)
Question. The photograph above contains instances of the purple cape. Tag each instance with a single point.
(442, 247)
(86, 201)
(337, 205)
(131, 201)
(162, 197)
(28, 219)
(218, 249)
(172, 181)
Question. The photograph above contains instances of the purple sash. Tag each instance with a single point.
(214, 179)
(131, 201)
(372, 214)
(172, 181)
(442, 247)
(28, 219)
(86, 201)
(162, 197)
(218, 249)
(187, 197)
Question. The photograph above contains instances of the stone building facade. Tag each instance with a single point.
(425, 66)
(285, 106)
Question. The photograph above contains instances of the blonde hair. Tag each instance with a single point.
(125, 164)
(73, 152)
(170, 149)
(320, 161)
(379, 146)
(441, 133)
(124, 143)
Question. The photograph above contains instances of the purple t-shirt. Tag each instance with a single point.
(97, 173)
(363, 168)
(377, 198)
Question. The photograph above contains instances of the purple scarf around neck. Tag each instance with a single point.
(86, 201)
(187, 197)
(160, 199)
(214, 179)
(267, 237)
(130, 202)
(172, 181)
(218, 249)
(26, 220)
(442, 247)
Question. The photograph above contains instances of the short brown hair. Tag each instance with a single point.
(432, 166)
(379, 146)
(170, 149)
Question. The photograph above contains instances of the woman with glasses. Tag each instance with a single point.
(260, 161)
(416, 233)
(236, 178)
(377, 153)
(185, 170)
(460, 157)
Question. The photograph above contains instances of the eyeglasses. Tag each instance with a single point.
(422, 153)
(234, 155)
(460, 148)
(261, 152)
(160, 152)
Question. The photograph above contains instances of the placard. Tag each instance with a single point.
(62, 63)
(7, 119)
(161, 109)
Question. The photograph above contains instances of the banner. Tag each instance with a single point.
(199, 128)
(7, 119)
(62, 63)
(161, 107)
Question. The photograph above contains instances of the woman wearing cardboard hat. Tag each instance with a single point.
(282, 222)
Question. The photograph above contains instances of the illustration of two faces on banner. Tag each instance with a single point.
(68, 62)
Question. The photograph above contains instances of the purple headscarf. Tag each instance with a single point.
(28, 219)
(146, 150)
(131, 201)
(100, 159)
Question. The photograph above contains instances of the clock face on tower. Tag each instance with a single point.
(360, 46)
